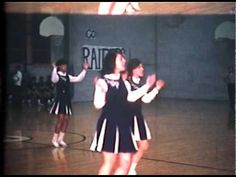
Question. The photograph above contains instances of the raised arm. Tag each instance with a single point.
(80, 76)
(147, 98)
(136, 94)
(54, 76)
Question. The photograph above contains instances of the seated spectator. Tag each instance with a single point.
(32, 92)
(42, 100)
(49, 90)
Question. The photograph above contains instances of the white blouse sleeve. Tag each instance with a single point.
(136, 94)
(100, 94)
(54, 76)
(148, 97)
(79, 77)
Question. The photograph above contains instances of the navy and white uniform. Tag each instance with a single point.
(62, 100)
(139, 125)
(113, 130)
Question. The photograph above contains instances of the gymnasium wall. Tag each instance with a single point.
(182, 50)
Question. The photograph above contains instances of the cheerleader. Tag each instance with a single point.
(113, 136)
(139, 125)
(62, 102)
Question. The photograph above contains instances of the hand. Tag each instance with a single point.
(95, 80)
(159, 84)
(54, 65)
(86, 66)
(151, 80)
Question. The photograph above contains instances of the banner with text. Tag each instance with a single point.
(94, 55)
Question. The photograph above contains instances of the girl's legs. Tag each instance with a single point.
(63, 129)
(57, 130)
(124, 162)
(109, 159)
(142, 147)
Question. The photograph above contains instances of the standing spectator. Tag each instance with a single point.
(230, 80)
(17, 85)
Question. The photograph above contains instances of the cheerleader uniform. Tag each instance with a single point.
(62, 100)
(113, 130)
(139, 125)
(62, 103)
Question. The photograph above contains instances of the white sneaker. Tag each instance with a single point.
(62, 143)
(55, 143)
(132, 172)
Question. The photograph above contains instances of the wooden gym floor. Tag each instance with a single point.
(189, 137)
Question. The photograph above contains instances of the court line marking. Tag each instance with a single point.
(188, 164)
(15, 138)
(145, 158)
(47, 145)
(166, 161)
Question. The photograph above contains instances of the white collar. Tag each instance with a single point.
(136, 80)
(112, 76)
(61, 73)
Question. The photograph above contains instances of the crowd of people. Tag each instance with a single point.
(27, 89)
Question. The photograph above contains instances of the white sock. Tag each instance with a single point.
(61, 136)
(132, 170)
(55, 137)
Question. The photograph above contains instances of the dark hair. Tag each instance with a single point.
(132, 63)
(61, 62)
(109, 62)
(18, 67)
